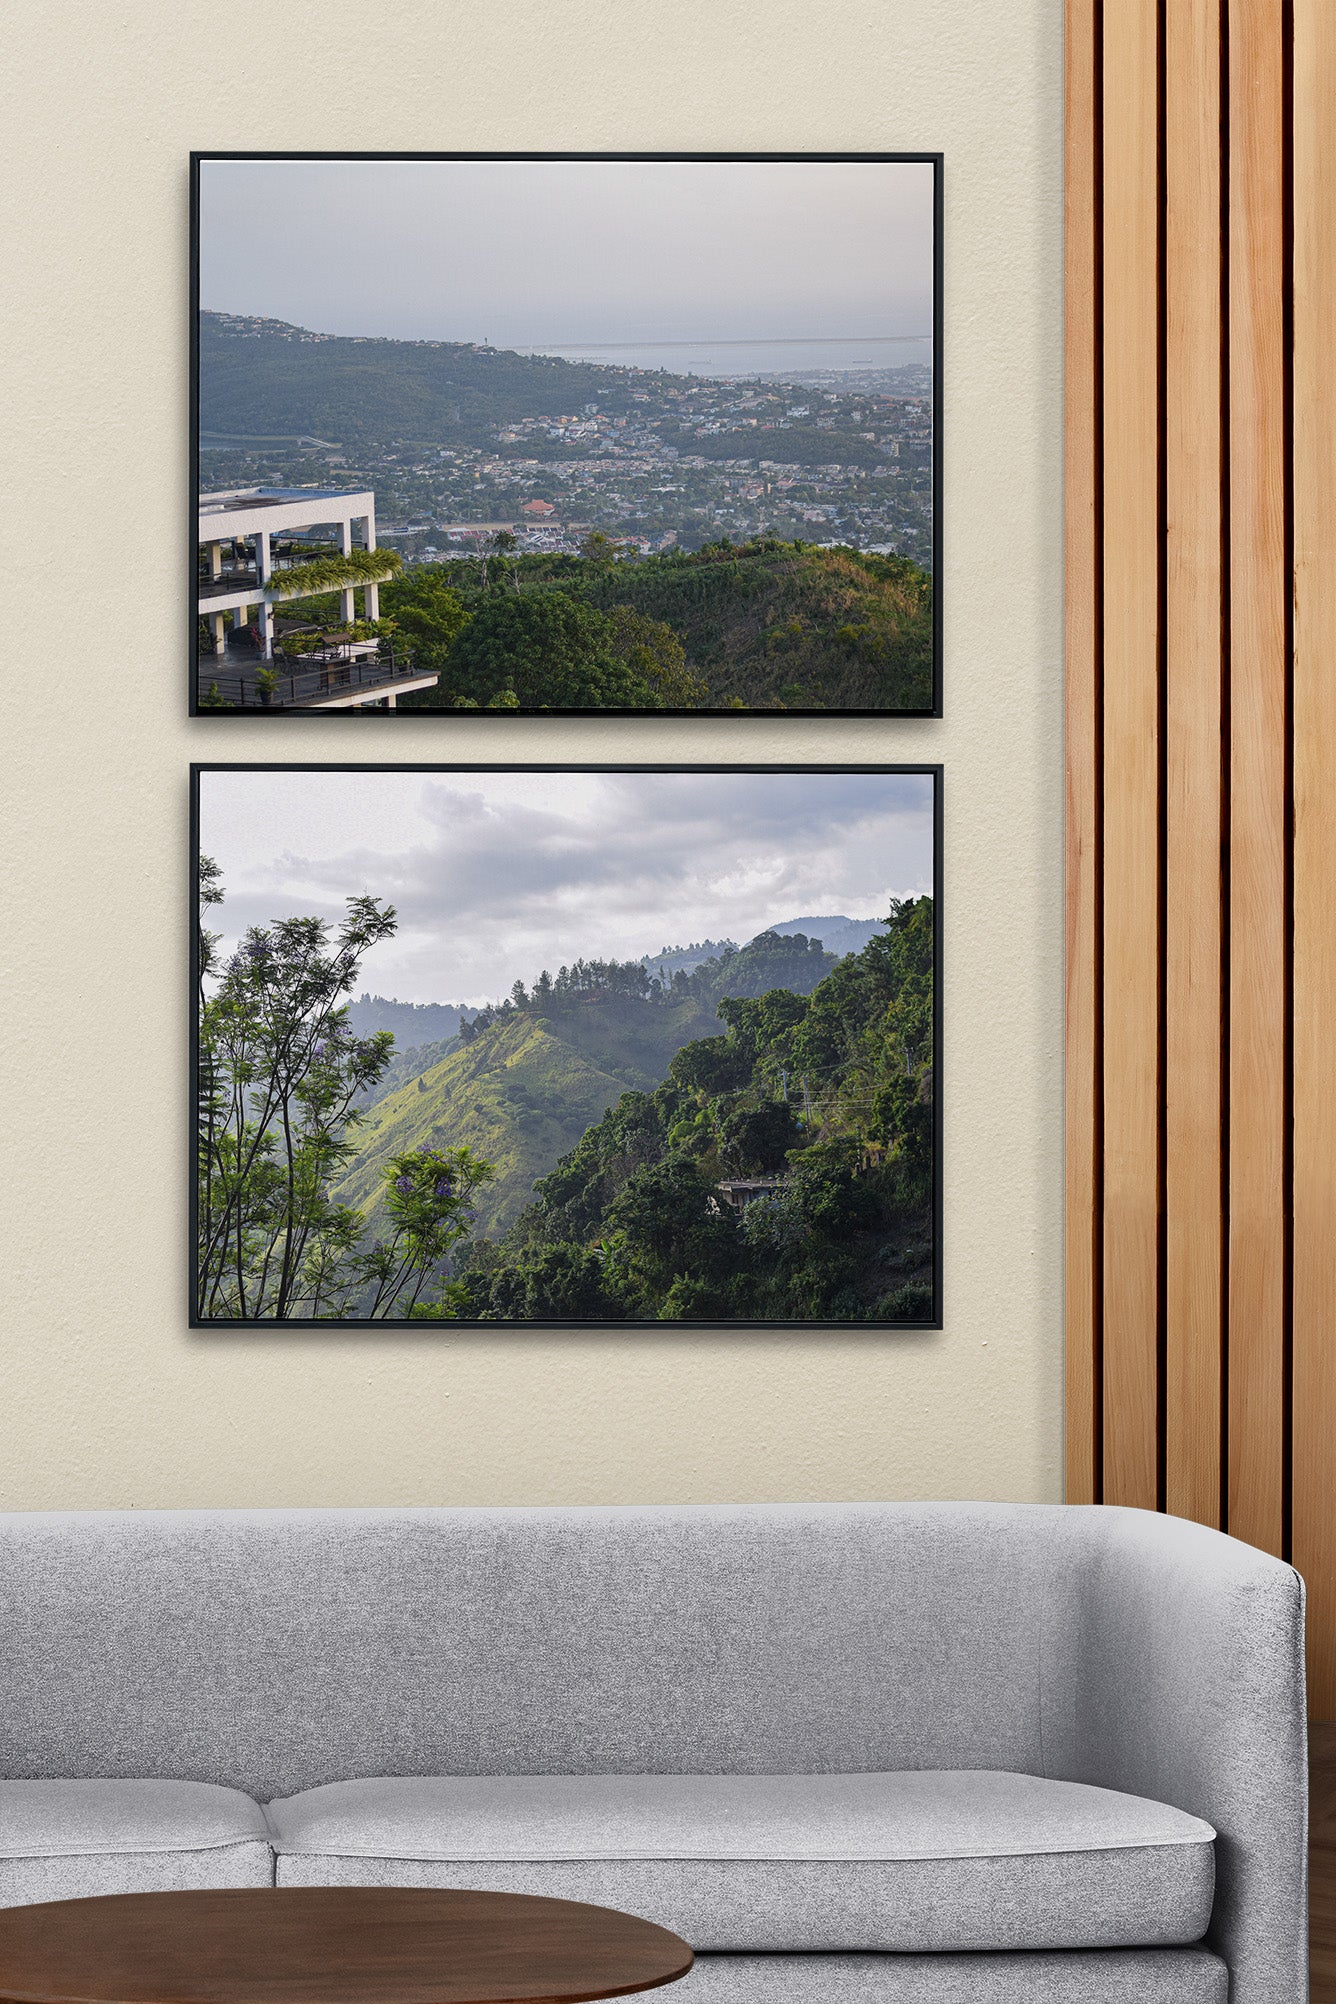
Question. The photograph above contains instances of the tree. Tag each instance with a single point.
(428, 612)
(710, 1065)
(559, 1283)
(499, 545)
(280, 1073)
(551, 650)
(654, 652)
(429, 1200)
(672, 1225)
(755, 1140)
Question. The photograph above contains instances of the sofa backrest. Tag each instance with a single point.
(274, 1650)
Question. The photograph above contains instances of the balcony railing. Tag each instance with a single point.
(312, 678)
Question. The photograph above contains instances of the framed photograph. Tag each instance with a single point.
(506, 1046)
(566, 432)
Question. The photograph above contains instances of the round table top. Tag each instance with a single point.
(329, 1945)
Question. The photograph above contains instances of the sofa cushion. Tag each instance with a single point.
(919, 1861)
(62, 1840)
(1097, 1976)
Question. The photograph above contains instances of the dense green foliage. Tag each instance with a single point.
(542, 651)
(762, 625)
(788, 625)
(829, 1095)
(333, 573)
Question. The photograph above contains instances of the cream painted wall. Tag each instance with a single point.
(105, 1398)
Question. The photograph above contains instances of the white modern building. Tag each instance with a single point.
(241, 558)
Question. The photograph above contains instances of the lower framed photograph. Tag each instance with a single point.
(489, 1046)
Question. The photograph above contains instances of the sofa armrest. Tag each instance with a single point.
(1179, 1674)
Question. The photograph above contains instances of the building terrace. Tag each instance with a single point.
(251, 542)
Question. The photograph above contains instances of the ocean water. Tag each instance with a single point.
(746, 358)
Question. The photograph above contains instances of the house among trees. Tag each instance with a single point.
(739, 1191)
(279, 624)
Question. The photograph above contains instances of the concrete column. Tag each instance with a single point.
(264, 568)
(346, 545)
(215, 560)
(370, 593)
(219, 623)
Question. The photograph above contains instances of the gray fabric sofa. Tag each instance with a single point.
(856, 1754)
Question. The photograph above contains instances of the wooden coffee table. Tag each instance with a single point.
(329, 1945)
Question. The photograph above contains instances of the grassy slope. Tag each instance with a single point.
(521, 1094)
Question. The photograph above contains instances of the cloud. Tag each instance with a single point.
(496, 875)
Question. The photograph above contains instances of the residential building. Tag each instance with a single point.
(250, 540)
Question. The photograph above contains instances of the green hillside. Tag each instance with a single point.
(783, 622)
(824, 1101)
(767, 624)
(521, 1092)
(278, 380)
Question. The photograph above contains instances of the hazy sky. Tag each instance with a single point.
(536, 253)
(497, 875)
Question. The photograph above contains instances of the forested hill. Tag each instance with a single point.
(521, 1092)
(824, 1101)
(268, 378)
(530, 1075)
(410, 1023)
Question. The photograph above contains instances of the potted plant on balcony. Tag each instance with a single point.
(266, 682)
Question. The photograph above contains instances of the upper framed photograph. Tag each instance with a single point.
(566, 432)
(626, 1045)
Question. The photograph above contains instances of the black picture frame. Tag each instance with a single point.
(933, 159)
(299, 1326)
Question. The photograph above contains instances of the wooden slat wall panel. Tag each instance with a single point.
(1258, 809)
(1202, 771)
(1314, 1546)
(1193, 668)
(1083, 1058)
(1131, 869)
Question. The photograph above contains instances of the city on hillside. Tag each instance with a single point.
(837, 457)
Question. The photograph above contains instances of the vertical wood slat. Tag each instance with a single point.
(1131, 755)
(1193, 666)
(1213, 1374)
(1314, 1547)
(1082, 423)
(1258, 944)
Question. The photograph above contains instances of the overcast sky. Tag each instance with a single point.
(498, 875)
(534, 253)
